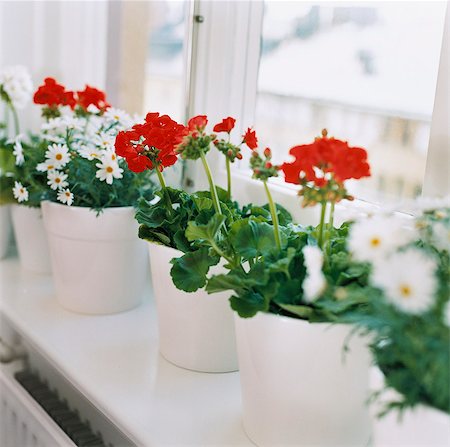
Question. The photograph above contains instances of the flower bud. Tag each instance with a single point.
(268, 165)
(267, 152)
(239, 156)
(230, 153)
(254, 154)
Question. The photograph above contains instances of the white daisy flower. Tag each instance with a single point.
(440, 235)
(109, 155)
(17, 84)
(108, 170)
(447, 314)
(314, 283)
(90, 153)
(45, 166)
(58, 154)
(18, 150)
(104, 141)
(122, 118)
(408, 280)
(373, 238)
(93, 109)
(65, 196)
(57, 180)
(20, 192)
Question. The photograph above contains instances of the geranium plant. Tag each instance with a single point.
(75, 162)
(197, 223)
(285, 269)
(409, 294)
(15, 93)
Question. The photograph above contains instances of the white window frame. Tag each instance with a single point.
(219, 92)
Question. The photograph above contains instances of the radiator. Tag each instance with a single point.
(23, 422)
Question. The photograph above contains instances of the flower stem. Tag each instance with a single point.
(164, 189)
(273, 212)
(228, 177)
(321, 224)
(16, 119)
(212, 186)
(331, 218)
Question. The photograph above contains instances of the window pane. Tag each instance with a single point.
(165, 68)
(365, 71)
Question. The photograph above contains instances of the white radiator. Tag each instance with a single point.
(23, 423)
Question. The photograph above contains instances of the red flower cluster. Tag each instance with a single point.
(197, 123)
(250, 139)
(53, 94)
(329, 156)
(226, 125)
(92, 96)
(151, 144)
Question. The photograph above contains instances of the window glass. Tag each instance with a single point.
(166, 67)
(365, 71)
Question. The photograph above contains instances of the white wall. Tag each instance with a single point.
(63, 39)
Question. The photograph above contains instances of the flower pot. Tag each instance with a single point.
(5, 230)
(299, 387)
(418, 426)
(196, 330)
(31, 238)
(100, 266)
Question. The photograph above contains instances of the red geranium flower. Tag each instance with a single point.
(92, 96)
(197, 123)
(250, 139)
(328, 155)
(151, 144)
(226, 125)
(53, 94)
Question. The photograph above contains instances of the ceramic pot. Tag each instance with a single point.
(196, 330)
(100, 266)
(31, 238)
(299, 387)
(5, 230)
(418, 426)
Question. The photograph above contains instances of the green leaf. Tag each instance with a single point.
(221, 283)
(152, 235)
(249, 304)
(189, 271)
(303, 312)
(252, 239)
(206, 232)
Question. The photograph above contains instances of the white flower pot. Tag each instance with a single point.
(31, 238)
(100, 266)
(5, 230)
(418, 426)
(298, 386)
(196, 330)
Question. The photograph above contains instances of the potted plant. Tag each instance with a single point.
(196, 330)
(99, 265)
(15, 92)
(298, 386)
(409, 323)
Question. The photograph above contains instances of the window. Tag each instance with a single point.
(365, 71)
(387, 54)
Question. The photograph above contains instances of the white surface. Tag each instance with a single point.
(196, 330)
(100, 266)
(31, 238)
(5, 230)
(298, 386)
(113, 360)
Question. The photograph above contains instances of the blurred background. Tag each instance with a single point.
(367, 71)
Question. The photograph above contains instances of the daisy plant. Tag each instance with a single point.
(15, 93)
(76, 157)
(288, 269)
(409, 295)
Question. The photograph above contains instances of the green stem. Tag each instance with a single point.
(228, 177)
(16, 119)
(164, 189)
(331, 218)
(273, 211)
(212, 187)
(321, 224)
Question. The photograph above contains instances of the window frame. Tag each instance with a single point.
(243, 21)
